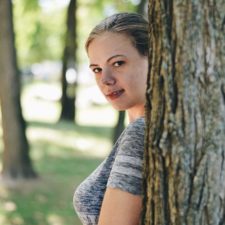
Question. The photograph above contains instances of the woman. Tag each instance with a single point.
(117, 49)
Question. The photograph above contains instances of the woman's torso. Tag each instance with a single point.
(121, 169)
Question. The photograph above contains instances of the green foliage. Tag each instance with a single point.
(40, 31)
(30, 5)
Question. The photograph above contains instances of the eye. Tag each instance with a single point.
(97, 70)
(118, 63)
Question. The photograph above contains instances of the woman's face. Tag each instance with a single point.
(120, 71)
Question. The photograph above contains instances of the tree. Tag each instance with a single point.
(184, 181)
(69, 81)
(16, 160)
(119, 126)
(142, 7)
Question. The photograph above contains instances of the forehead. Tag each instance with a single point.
(108, 44)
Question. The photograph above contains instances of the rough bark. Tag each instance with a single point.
(68, 98)
(16, 160)
(184, 177)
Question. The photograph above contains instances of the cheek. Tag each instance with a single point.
(138, 81)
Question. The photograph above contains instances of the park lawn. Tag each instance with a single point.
(63, 154)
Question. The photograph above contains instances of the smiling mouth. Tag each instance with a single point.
(115, 94)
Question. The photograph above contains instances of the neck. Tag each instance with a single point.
(135, 115)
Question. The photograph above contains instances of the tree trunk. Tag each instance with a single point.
(16, 160)
(69, 79)
(142, 7)
(119, 126)
(184, 177)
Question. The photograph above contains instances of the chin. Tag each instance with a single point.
(119, 108)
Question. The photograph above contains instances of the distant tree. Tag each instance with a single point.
(185, 138)
(16, 160)
(69, 80)
(119, 126)
(142, 7)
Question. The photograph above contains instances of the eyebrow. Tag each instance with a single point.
(110, 58)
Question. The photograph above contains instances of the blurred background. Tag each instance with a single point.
(55, 126)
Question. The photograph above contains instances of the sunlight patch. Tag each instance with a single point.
(2, 219)
(89, 145)
(9, 206)
(54, 219)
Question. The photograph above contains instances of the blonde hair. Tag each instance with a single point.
(131, 24)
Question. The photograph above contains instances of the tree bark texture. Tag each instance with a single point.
(69, 58)
(16, 160)
(184, 177)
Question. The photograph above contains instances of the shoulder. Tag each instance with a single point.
(127, 169)
(137, 126)
(132, 140)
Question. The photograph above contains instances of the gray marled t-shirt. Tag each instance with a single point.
(121, 169)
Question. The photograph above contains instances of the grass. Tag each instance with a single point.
(63, 154)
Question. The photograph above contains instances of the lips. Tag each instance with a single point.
(115, 94)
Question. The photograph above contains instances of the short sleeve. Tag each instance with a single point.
(127, 169)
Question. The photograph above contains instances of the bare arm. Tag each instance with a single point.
(120, 208)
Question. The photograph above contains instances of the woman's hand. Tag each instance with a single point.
(120, 208)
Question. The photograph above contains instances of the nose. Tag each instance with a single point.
(107, 77)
